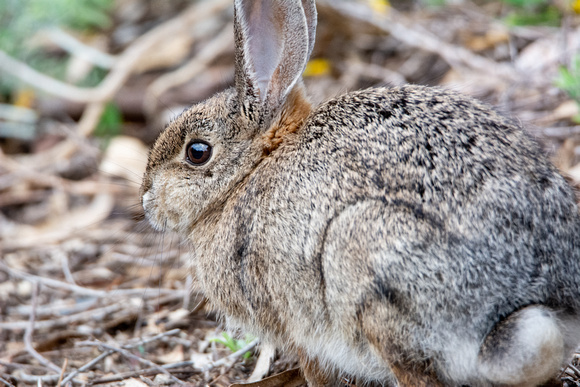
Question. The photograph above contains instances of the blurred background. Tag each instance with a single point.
(88, 292)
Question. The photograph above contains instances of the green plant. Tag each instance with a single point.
(536, 13)
(521, 12)
(22, 20)
(568, 79)
(434, 3)
(526, 3)
(234, 345)
(110, 124)
(543, 16)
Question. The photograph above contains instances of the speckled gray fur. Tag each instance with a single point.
(383, 239)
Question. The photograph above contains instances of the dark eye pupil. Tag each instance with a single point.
(198, 152)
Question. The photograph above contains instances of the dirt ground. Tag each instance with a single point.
(89, 293)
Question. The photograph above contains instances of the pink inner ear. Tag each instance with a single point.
(265, 41)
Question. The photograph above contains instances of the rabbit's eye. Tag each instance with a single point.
(198, 152)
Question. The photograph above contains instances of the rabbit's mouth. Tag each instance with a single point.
(162, 213)
(152, 213)
(147, 200)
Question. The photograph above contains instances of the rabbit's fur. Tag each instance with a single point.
(408, 235)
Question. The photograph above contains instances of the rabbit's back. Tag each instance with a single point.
(425, 144)
(428, 205)
(490, 199)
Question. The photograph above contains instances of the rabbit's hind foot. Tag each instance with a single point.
(525, 349)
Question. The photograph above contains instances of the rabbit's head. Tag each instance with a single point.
(201, 156)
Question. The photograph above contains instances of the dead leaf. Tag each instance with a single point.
(380, 6)
(134, 383)
(174, 356)
(472, 83)
(201, 360)
(178, 315)
(565, 111)
(576, 6)
(125, 157)
(166, 53)
(574, 173)
(491, 39)
(93, 276)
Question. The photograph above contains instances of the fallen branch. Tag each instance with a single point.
(217, 46)
(62, 371)
(29, 331)
(133, 374)
(77, 48)
(87, 366)
(103, 355)
(416, 36)
(6, 382)
(129, 355)
(39, 380)
(90, 315)
(86, 291)
(183, 364)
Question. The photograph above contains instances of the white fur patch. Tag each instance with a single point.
(335, 353)
(461, 358)
(148, 205)
(147, 200)
(535, 352)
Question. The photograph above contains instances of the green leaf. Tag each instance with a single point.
(547, 16)
(110, 123)
(232, 344)
(568, 79)
(21, 20)
(526, 3)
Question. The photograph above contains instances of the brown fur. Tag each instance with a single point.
(292, 117)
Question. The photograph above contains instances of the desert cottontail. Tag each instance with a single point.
(394, 235)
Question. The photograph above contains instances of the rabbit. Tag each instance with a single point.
(404, 236)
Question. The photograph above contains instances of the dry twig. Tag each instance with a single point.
(233, 357)
(199, 63)
(6, 382)
(129, 355)
(29, 331)
(103, 355)
(76, 47)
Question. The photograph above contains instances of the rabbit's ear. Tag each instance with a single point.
(310, 14)
(274, 39)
